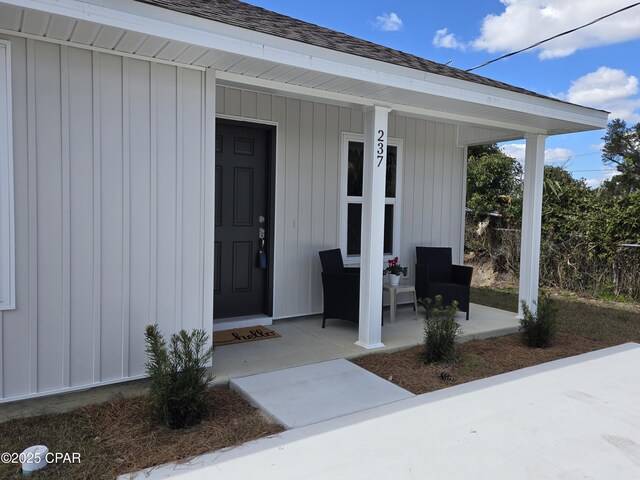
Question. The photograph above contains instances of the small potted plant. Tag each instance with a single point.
(395, 270)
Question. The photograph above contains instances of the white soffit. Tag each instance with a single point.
(267, 62)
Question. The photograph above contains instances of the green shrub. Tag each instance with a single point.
(440, 330)
(538, 331)
(178, 395)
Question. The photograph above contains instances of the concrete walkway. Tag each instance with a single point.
(575, 418)
(299, 396)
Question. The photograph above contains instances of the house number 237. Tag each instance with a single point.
(380, 149)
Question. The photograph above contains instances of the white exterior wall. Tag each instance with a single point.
(112, 208)
(309, 137)
(433, 187)
(110, 214)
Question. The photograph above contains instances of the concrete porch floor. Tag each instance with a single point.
(302, 342)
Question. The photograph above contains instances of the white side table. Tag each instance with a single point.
(394, 290)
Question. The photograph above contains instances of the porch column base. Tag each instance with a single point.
(369, 346)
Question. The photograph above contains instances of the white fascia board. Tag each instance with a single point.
(516, 136)
(161, 22)
(511, 138)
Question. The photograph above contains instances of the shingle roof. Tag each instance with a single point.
(244, 15)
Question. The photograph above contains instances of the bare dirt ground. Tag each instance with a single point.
(485, 275)
(118, 437)
(476, 359)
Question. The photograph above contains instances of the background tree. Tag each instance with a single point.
(611, 222)
(564, 244)
(565, 202)
(494, 183)
(622, 150)
(588, 235)
(478, 151)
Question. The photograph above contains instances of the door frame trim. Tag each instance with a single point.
(272, 129)
(248, 120)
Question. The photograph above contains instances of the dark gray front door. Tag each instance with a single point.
(241, 210)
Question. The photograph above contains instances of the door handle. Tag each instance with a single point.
(261, 261)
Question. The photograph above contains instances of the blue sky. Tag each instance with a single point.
(598, 66)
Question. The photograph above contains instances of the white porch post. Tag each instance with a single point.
(531, 221)
(372, 245)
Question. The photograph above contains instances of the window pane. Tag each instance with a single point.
(356, 158)
(392, 163)
(354, 224)
(388, 229)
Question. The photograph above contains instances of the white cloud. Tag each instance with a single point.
(515, 150)
(558, 155)
(443, 39)
(389, 22)
(607, 89)
(605, 174)
(602, 86)
(524, 22)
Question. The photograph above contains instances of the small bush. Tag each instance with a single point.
(440, 330)
(178, 392)
(538, 331)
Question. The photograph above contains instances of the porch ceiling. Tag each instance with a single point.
(507, 115)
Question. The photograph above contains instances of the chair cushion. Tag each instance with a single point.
(438, 259)
(331, 261)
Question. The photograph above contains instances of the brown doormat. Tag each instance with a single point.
(243, 335)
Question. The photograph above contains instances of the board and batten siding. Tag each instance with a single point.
(309, 136)
(111, 214)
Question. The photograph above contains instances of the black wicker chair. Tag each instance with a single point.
(436, 275)
(341, 288)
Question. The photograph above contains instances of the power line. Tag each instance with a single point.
(569, 157)
(554, 37)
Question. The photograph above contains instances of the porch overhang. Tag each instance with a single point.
(263, 62)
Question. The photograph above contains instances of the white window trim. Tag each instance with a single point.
(7, 225)
(345, 199)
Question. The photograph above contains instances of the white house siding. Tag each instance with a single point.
(110, 214)
(307, 186)
(432, 187)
